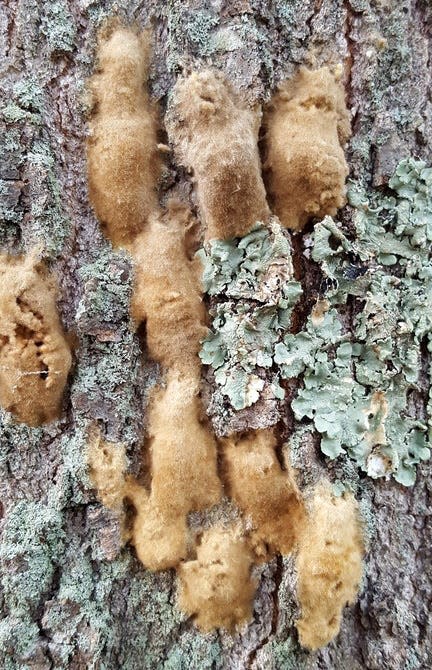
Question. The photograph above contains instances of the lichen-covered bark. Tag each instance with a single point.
(70, 596)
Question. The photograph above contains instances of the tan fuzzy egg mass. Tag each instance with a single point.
(329, 566)
(183, 469)
(217, 588)
(122, 154)
(182, 449)
(307, 126)
(267, 495)
(35, 358)
(215, 136)
(168, 294)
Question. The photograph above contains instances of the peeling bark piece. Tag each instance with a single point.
(217, 588)
(107, 465)
(35, 358)
(122, 154)
(307, 125)
(329, 566)
(264, 492)
(215, 135)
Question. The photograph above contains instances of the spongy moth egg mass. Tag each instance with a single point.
(217, 588)
(215, 135)
(266, 494)
(329, 566)
(35, 357)
(122, 154)
(307, 125)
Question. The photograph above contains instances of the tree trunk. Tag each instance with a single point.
(71, 595)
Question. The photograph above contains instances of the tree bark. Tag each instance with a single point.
(70, 595)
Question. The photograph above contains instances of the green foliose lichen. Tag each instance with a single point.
(254, 275)
(360, 390)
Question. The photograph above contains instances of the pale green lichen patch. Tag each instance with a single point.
(106, 384)
(11, 161)
(33, 531)
(360, 391)
(204, 32)
(253, 283)
(189, 31)
(32, 209)
(48, 588)
(371, 422)
(29, 173)
(192, 651)
(226, 39)
(58, 27)
(47, 224)
(31, 544)
(199, 28)
(26, 103)
(324, 358)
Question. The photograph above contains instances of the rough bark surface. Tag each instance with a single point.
(70, 596)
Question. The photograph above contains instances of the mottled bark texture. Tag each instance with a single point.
(70, 596)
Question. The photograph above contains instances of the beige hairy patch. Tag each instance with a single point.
(183, 469)
(35, 358)
(307, 125)
(329, 566)
(264, 492)
(215, 136)
(122, 154)
(168, 293)
(217, 588)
